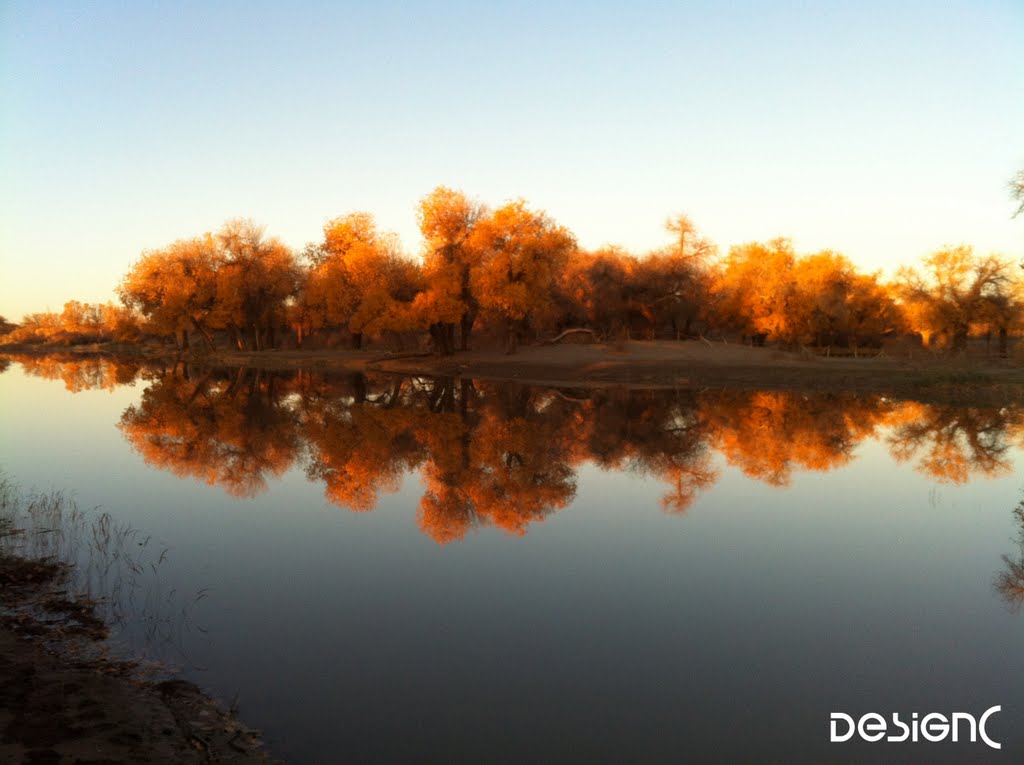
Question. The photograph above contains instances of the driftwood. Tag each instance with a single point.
(573, 331)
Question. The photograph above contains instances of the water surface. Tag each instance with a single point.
(417, 570)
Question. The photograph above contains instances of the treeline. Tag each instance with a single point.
(512, 274)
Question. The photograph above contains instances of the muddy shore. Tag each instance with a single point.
(64, 700)
(55, 710)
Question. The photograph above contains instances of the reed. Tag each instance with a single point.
(69, 571)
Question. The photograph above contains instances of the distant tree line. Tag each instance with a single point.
(513, 273)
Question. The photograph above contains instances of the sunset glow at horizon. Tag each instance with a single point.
(877, 131)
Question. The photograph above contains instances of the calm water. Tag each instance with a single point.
(438, 571)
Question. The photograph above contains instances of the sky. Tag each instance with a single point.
(880, 129)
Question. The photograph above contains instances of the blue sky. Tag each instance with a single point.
(883, 130)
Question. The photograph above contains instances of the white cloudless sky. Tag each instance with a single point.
(883, 130)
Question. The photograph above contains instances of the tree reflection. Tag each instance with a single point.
(359, 446)
(653, 433)
(231, 431)
(950, 443)
(519, 457)
(506, 455)
(768, 435)
(497, 456)
(78, 371)
(447, 510)
(1010, 582)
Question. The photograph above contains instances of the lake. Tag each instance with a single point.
(385, 569)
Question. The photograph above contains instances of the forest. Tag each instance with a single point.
(496, 277)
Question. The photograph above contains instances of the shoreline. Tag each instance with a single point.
(64, 697)
(649, 364)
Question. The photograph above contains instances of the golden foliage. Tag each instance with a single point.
(522, 253)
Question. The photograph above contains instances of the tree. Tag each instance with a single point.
(818, 311)
(119, 323)
(833, 304)
(360, 279)
(955, 290)
(681, 275)
(1017, 191)
(753, 288)
(592, 289)
(682, 270)
(522, 253)
(237, 280)
(256, 279)
(447, 219)
(175, 289)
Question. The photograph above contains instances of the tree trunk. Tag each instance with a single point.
(1004, 343)
(204, 333)
(236, 337)
(959, 339)
(466, 327)
(441, 337)
(357, 340)
(511, 338)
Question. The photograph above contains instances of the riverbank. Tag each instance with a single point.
(638, 364)
(64, 699)
(56, 709)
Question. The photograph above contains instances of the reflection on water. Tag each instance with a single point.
(1010, 582)
(837, 552)
(234, 431)
(79, 371)
(505, 454)
(952, 444)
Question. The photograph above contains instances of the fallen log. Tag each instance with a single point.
(573, 331)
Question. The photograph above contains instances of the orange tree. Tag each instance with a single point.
(522, 253)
